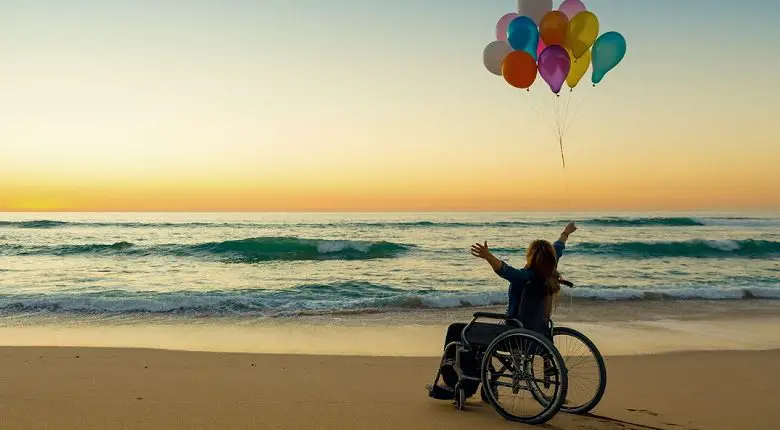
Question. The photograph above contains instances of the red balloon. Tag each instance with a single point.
(519, 69)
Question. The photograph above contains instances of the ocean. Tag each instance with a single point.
(274, 265)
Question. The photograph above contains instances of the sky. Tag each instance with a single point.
(347, 105)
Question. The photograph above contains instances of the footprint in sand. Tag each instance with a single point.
(643, 412)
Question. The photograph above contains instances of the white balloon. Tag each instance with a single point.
(494, 56)
(534, 9)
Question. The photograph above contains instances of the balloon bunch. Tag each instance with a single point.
(558, 45)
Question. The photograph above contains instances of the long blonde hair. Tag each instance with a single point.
(543, 260)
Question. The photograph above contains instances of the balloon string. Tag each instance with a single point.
(568, 199)
(557, 107)
(559, 124)
(563, 158)
(550, 120)
(556, 115)
(577, 111)
(546, 113)
(558, 112)
(568, 102)
(565, 174)
(537, 108)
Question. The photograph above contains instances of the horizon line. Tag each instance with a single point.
(539, 211)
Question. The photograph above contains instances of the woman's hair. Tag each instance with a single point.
(543, 260)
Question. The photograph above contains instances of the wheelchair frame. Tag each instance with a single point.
(551, 405)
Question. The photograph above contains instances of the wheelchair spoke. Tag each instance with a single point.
(514, 379)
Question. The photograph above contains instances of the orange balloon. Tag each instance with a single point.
(519, 69)
(554, 28)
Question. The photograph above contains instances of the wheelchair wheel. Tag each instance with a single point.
(585, 368)
(509, 375)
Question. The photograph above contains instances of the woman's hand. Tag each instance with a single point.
(569, 229)
(481, 251)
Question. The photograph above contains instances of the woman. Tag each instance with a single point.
(532, 290)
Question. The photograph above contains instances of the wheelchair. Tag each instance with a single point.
(524, 375)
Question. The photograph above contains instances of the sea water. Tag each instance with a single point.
(275, 265)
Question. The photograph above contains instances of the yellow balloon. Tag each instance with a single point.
(578, 68)
(583, 31)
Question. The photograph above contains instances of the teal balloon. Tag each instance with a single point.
(523, 35)
(608, 52)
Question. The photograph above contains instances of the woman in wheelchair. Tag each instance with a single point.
(532, 291)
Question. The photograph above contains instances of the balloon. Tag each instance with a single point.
(608, 52)
(523, 35)
(554, 66)
(554, 27)
(534, 9)
(503, 25)
(578, 68)
(519, 69)
(540, 48)
(583, 31)
(494, 55)
(572, 7)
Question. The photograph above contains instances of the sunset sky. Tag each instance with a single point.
(136, 105)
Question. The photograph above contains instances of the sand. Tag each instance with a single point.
(101, 388)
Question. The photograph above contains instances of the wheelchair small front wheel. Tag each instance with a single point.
(513, 384)
(460, 397)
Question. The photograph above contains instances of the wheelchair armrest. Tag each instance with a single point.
(495, 316)
(492, 315)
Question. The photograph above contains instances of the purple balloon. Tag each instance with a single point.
(554, 66)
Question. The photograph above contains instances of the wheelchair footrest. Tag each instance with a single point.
(440, 393)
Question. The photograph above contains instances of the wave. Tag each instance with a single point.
(34, 224)
(603, 221)
(340, 297)
(260, 249)
(642, 222)
(251, 250)
(693, 248)
(325, 299)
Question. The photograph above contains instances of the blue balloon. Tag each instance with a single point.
(523, 35)
(608, 52)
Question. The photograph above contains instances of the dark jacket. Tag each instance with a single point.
(527, 294)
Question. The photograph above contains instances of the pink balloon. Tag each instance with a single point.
(540, 47)
(572, 7)
(554, 66)
(503, 26)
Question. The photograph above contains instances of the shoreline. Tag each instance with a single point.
(96, 388)
(580, 310)
(392, 336)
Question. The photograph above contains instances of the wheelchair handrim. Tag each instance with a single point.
(542, 348)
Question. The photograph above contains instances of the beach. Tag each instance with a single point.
(336, 321)
(704, 371)
(99, 388)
